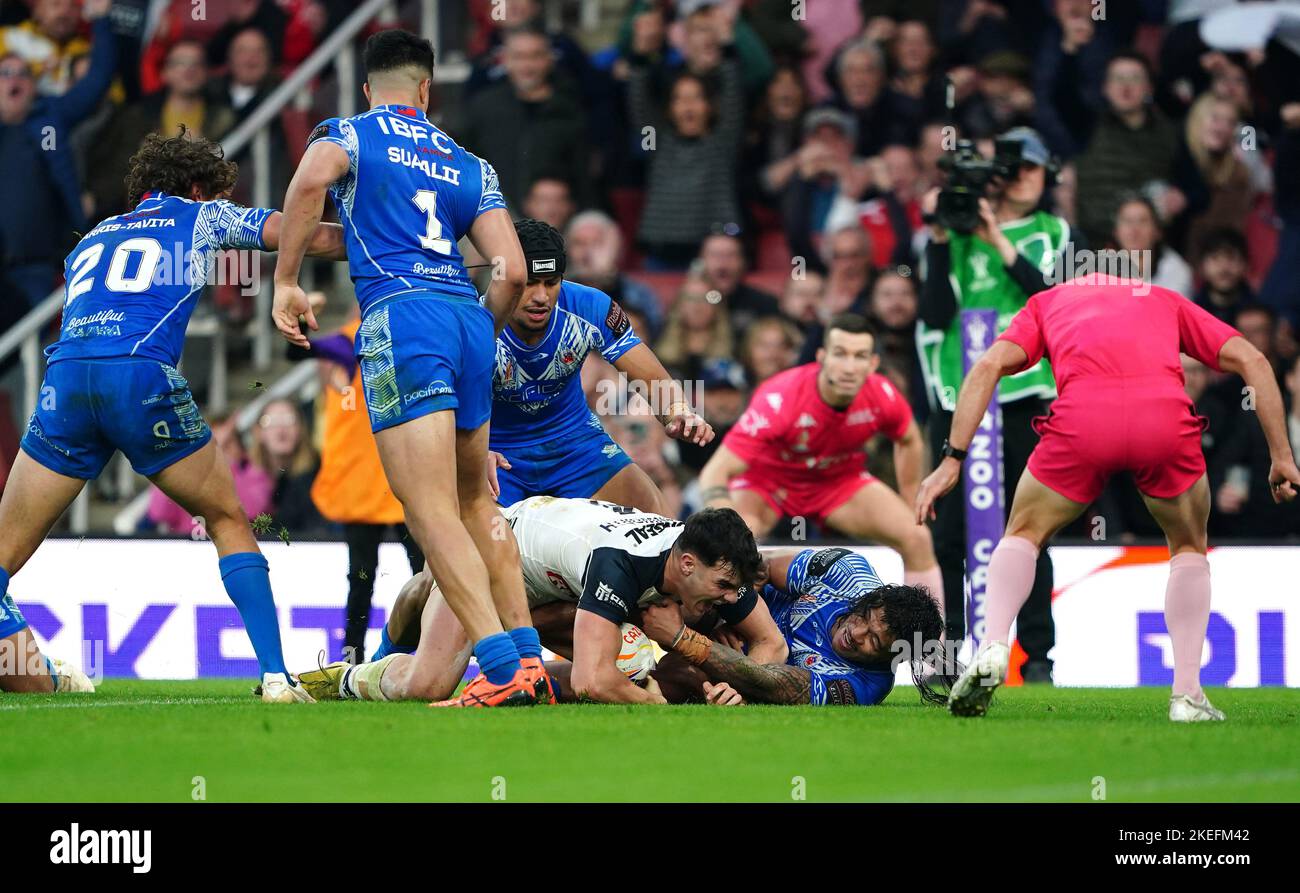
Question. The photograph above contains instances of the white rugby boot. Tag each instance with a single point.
(974, 689)
(69, 678)
(1183, 709)
(276, 689)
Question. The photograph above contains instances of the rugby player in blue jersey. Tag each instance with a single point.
(112, 384)
(406, 194)
(845, 629)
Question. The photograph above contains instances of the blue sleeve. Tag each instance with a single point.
(844, 571)
(863, 688)
(228, 225)
(84, 96)
(610, 587)
(603, 312)
(489, 190)
(340, 132)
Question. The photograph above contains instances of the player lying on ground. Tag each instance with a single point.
(845, 630)
(406, 194)
(112, 383)
(1122, 407)
(551, 441)
(798, 452)
(607, 559)
(544, 438)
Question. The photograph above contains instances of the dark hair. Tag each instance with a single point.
(175, 164)
(395, 48)
(1132, 55)
(721, 537)
(1254, 307)
(911, 614)
(1224, 239)
(852, 324)
(709, 99)
(527, 29)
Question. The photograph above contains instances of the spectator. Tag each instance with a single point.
(722, 265)
(774, 134)
(802, 298)
(770, 345)
(547, 133)
(697, 330)
(594, 245)
(283, 450)
(49, 44)
(1002, 98)
(1222, 178)
(1243, 500)
(1082, 45)
(1138, 232)
(264, 16)
(846, 256)
(708, 28)
(723, 398)
(812, 180)
(888, 205)
(893, 310)
(550, 200)
(253, 486)
(916, 80)
(1130, 145)
(862, 91)
(182, 102)
(692, 181)
(1224, 262)
(42, 210)
(249, 76)
(1279, 287)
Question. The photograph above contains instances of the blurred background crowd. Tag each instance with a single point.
(733, 173)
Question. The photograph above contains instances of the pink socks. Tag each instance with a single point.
(1187, 614)
(1011, 576)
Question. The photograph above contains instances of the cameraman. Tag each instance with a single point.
(1009, 255)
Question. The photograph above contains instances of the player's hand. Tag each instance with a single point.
(290, 304)
(722, 695)
(652, 688)
(494, 461)
(688, 426)
(662, 622)
(725, 635)
(1283, 480)
(938, 483)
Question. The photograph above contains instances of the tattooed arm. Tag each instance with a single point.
(759, 683)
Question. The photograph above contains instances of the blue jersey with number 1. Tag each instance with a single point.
(409, 195)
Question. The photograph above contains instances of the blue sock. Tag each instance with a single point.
(497, 658)
(527, 641)
(248, 583)
(4, 582)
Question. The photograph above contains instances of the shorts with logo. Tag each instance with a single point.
(425, 352)
(575, 466)
(811, 501)
(88, 408)
(11, 619)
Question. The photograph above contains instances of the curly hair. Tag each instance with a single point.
(175, 164)
(912, 615)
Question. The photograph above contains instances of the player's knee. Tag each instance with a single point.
(917, 546)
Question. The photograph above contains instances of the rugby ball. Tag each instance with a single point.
(636, 656)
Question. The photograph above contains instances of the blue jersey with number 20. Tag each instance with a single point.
(133, 280)
(409, 195)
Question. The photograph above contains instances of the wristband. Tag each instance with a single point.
(692, 645)
(951, 451)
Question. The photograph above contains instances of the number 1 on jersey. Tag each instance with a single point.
(427, 201)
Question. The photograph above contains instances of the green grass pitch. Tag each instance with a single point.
(150, 741)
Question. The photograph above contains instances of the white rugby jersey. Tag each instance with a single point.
(608, 558)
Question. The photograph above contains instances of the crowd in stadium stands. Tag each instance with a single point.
(735, 172)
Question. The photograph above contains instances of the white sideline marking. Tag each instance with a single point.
(149, 702)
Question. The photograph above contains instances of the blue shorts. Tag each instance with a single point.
(11, 619)
(90, 408)
(574, 466)
(423, 352)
